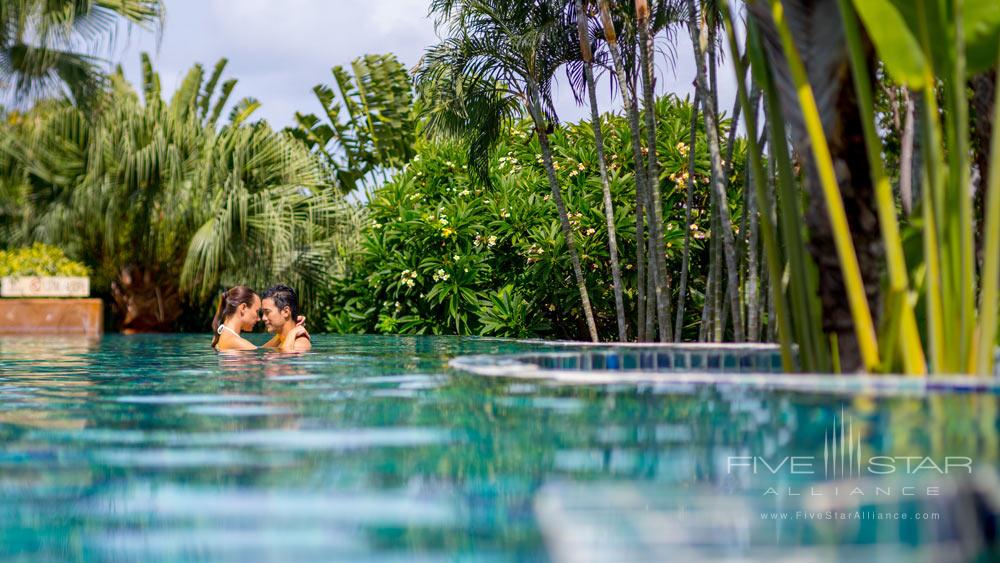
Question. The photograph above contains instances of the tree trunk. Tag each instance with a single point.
(650, 279)
(657, 256)
(632, 111)
(772, 179)
(538, 117)
(752, 281)
(719, 182)
(906, 158)
(749, 231)
(640, 264)
(145, 301)
(688, 202)
(817, 31)
(719, 304)
(728, 166)
(982, 101)
(609, 212)
(711, 282)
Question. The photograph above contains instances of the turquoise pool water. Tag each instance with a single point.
(154, 448)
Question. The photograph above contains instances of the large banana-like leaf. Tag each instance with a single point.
(895, 28)
(895, 42)
(369, 121)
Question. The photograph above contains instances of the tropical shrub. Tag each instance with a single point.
(167, 205)
(39, 260)
(444, 253)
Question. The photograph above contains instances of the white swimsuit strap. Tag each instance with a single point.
(224, 327)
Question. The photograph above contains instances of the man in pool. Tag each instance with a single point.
(279, 308)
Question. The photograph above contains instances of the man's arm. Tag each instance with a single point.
(297, 340)
(273, 342)
(302, 343)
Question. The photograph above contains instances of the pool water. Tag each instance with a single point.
(155, 448)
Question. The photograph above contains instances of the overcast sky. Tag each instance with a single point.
(280, 49)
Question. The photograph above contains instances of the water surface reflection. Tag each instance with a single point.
(154, 448)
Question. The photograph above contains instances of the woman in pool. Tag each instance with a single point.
(239, 311)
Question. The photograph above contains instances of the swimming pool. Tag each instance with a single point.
(154, 448)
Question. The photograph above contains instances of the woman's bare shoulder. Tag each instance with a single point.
(230, 342)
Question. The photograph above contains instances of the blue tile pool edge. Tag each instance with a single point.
(516, 366)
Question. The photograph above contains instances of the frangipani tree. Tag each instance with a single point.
(496, 63)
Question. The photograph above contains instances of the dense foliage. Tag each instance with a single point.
(166, 205)
(442, 253)
(39, 260)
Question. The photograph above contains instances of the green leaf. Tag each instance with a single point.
(980, 27)
(894, 40)
(982, 34)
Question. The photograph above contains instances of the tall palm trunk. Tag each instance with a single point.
(719, 182)
(632, 111)
(906, 157)
(816, 28)
(688, 202)
(772, 182)
(640, 263)
(711, 283)
(650, 274)
(657, 256)
(609, 212)
(753, 281)
(728, 172)
(538, 116)
(720, 302)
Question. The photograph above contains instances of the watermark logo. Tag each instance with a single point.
(841, 441)
(844, 458)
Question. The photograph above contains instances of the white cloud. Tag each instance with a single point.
(279, 49)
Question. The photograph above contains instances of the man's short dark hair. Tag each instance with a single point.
(283, 296)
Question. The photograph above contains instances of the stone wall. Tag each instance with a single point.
(52, 316)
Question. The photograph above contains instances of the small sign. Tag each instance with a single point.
(55, 286)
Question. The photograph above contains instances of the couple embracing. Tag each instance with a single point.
(240, 309)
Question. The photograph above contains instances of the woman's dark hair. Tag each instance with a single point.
(283, 296)
(229, 301)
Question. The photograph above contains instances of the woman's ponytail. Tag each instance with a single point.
(218, 319)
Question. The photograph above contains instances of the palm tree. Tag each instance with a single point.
(587, 58)
(629, 39)
(657, 257)
(496, 63)
(40, 42)
(817, 30)
(688, 203)
(169, 207)
(719, 176)
(626, 85)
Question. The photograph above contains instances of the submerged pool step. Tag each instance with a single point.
(745, 365)
(756, 359)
